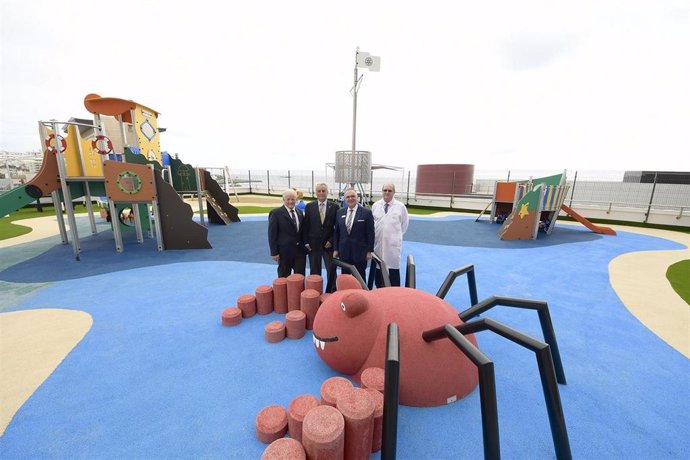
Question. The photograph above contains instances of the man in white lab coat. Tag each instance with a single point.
(390, 223)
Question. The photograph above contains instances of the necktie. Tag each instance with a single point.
(385, 208)
(294, 218)
(322, 211)
(348, 224)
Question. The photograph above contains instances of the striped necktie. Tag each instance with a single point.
(322, 211)
(348, 224)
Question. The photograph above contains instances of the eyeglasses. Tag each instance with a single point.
(387, 190)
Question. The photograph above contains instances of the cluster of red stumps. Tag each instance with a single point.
(345, 423)
(297, 297)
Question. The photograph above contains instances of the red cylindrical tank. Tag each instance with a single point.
(445, 179)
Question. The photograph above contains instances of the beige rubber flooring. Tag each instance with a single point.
(32, 346)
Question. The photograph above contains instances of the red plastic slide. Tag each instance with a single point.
(587, 223)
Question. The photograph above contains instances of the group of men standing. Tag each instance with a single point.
(325, 231)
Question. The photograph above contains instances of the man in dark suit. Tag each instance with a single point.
(319, 220)
(353, 237)
(285, 236)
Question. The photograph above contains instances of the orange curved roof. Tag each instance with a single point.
(111, 105)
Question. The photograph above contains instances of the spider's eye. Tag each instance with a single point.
(354, 304)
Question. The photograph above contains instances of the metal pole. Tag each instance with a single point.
(508, 180)
(651, 198)
(268, 182)
(123, 132)
(371, 186)
(137, 223)
(408, 189)
(58, 215)
(249, 172)
(572, 190)
(452, 190)
(156, 213)
(289, 183)
(115, 221)
(62, 169)
(199, 193)
(312, 183)
(354, 106)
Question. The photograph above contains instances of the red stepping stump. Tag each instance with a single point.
(309, 304)
(377, 437)
(271, 423)
(264, 299)
(297, 409)
(331, 389)
(314, 282)
(295, 286)
(231, 316)
(274, 331)
(280, 302)
(357, 407)
(373, 377)
(295, 322)
(323, 434)
(247, 303)
(323, 297)
(284, 449)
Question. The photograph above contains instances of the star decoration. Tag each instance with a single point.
(523, 210)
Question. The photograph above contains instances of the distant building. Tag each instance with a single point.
(662, 177)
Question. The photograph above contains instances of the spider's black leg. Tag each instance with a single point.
(471, 282)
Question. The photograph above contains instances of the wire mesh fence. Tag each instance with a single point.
(646, 190)
(592, 188)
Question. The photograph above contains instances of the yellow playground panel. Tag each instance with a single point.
(148, 135)
(80, 158)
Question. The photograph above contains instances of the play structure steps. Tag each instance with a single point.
(219, 208)
(584, 221)
(177, 226)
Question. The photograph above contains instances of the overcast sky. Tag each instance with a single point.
(587, 85)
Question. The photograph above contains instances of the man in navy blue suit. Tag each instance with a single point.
(353, 237)
(285, 236)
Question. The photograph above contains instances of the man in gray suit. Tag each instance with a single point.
(319, 220)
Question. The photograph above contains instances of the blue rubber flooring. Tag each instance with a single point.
(157, 376)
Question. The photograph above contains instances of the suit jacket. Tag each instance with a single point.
(354, 247)
(315, 233)
(283, 237)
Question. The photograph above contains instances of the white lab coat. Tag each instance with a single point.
(389, 230)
